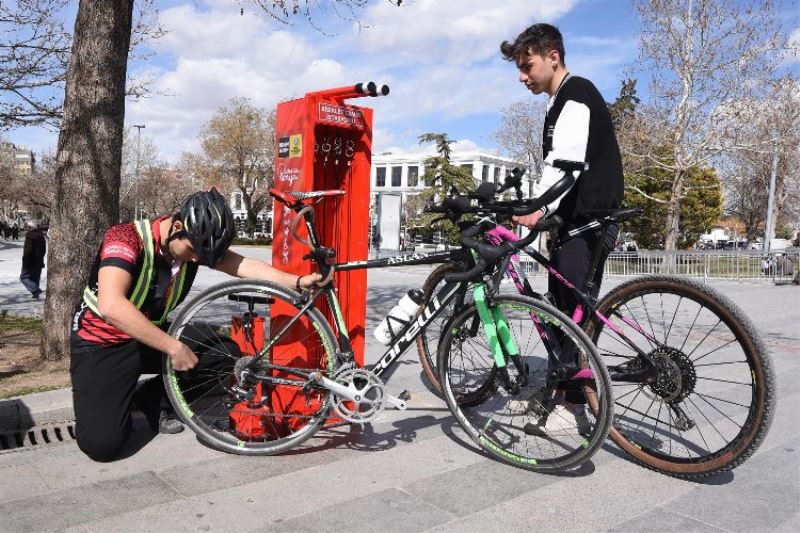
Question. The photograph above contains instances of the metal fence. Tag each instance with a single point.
(778, 267)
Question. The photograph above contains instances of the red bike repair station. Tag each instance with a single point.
(322, 143)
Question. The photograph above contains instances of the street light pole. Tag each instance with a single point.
(137, 212)
(768, 231)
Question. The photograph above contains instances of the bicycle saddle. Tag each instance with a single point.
(291, 198)
(307, 195)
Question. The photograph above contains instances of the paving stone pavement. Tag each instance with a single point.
(413, 471)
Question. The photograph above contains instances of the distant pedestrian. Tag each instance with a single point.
(33, 259)
(15, 231)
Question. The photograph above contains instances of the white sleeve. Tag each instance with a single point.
(570, 138)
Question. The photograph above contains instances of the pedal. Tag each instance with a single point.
(397, 403)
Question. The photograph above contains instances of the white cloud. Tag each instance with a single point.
(441, 60)
(460, 33)
(214, 55)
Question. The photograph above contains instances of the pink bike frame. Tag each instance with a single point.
(501, 234)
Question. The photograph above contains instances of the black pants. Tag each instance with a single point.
(104, 389)
(574, 259)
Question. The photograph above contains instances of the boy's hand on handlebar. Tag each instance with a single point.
(529, 220)
(308, 281)
(182, 357)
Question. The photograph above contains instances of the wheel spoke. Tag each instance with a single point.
(714, 401)
(210, 327)
(714, 350)
(726, 381)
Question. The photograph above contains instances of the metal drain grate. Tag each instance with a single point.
(37, 436)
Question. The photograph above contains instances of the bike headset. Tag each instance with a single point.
(207, 223)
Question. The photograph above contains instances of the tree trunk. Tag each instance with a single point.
(88, 160)
(673, 219)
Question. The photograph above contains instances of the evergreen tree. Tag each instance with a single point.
(441, 178)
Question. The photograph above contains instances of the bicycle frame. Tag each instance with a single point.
(493, 321)
(402, 339)
(587, 305)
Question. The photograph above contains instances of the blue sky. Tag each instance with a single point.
(439, 57)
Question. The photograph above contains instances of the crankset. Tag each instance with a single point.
(365, 396)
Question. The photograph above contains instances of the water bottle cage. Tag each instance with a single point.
(392, 331)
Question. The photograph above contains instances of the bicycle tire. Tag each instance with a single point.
(497, 424)
(756, 367)
(435, 330)
(430, 337)
(284, 423)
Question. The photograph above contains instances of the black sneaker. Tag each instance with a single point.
(168, 423)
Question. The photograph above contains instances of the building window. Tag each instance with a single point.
(380, 177)
(237, 201)
(497, 175)
(413, 176)
(397, 172)
(484, 173)
(468, 166)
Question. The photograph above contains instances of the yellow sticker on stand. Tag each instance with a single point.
(296, 145)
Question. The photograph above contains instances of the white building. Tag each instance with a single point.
(264, 217)
(395, 177)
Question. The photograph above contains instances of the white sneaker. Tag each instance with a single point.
(562, 421)
(518, 407)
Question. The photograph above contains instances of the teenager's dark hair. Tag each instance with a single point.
(539, 39)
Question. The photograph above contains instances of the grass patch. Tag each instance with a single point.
(22, 369)
(22, 391)
(26, 324)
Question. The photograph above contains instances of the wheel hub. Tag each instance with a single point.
(675, 375)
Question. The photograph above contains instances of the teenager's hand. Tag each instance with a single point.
(310, 280)
(182, 357)
(529, 220)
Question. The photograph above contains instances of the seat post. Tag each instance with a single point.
(589, 287)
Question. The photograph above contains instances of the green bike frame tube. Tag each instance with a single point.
(495, 325)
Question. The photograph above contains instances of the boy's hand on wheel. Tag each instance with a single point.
(182, 357)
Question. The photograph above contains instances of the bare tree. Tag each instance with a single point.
(238, 144)
(748, 169)
(162, 189)
(701, 55)
(148, 158)
(284, 10)
(34, 51)
(520, 133)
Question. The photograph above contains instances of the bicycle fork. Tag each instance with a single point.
(501, 342)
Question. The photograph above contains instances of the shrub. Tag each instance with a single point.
(259, 241)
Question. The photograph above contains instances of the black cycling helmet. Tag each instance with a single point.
(208, 224)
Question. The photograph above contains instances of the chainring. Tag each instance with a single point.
(370, 395)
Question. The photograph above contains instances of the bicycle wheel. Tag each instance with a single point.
(712, 399)
(235, 410)
(430, 337)
(512, 422)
